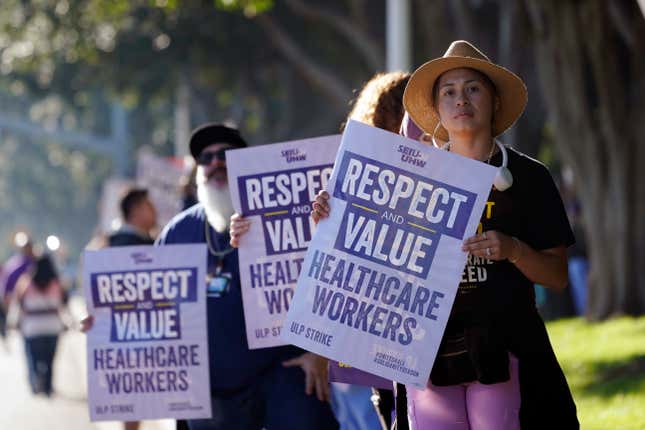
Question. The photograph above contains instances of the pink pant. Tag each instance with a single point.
(472, 406)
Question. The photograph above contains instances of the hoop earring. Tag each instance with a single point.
(434, 141)
(425, 138)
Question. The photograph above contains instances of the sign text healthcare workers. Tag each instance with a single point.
(273, 186)
(380, 275)
(147, 350)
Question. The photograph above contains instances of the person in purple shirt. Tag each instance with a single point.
(14, 268)
(11, 271)
(270, 388)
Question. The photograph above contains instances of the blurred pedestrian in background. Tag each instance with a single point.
(11, 271)
(188, 186)
(577, 254)
(139, 219)
(37, 309)
(16, 265)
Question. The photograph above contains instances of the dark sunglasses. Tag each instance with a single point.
(206, 158)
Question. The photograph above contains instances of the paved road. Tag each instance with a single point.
(67, 409)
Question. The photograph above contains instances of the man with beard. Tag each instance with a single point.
(251, 389)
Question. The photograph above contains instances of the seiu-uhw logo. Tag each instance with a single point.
(141, 258)
(292, 155)
(412, 156)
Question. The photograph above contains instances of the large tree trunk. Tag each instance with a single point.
(591, 77)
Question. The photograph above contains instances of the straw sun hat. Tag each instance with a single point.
(417, 98)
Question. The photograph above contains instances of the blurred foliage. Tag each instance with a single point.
(49, 188)
(280, 70)
(250, 8)
(137, 51)
(130, 50)
(63, 63)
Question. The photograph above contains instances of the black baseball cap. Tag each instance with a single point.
(212, 133)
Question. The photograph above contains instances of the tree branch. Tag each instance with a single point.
(464, 18)
(332, 88)
(432, 21)
(622, 22)
(641, 5)
(369, 49)
(357, 12)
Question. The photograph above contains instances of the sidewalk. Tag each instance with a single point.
(67, 409)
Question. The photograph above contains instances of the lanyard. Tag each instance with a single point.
(215, 251)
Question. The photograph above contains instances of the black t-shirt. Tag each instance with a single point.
(128, 238)
(492, 294)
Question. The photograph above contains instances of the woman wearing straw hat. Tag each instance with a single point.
(495, 369)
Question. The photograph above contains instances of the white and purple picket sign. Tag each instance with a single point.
(381, 273)
(341, 372)
(273, 186)
(147, 351)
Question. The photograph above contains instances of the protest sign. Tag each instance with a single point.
(147, 351)
(161, 176)
(273, 186)
(381, 273)
(341, 372)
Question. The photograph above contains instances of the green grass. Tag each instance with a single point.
(605, 366)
